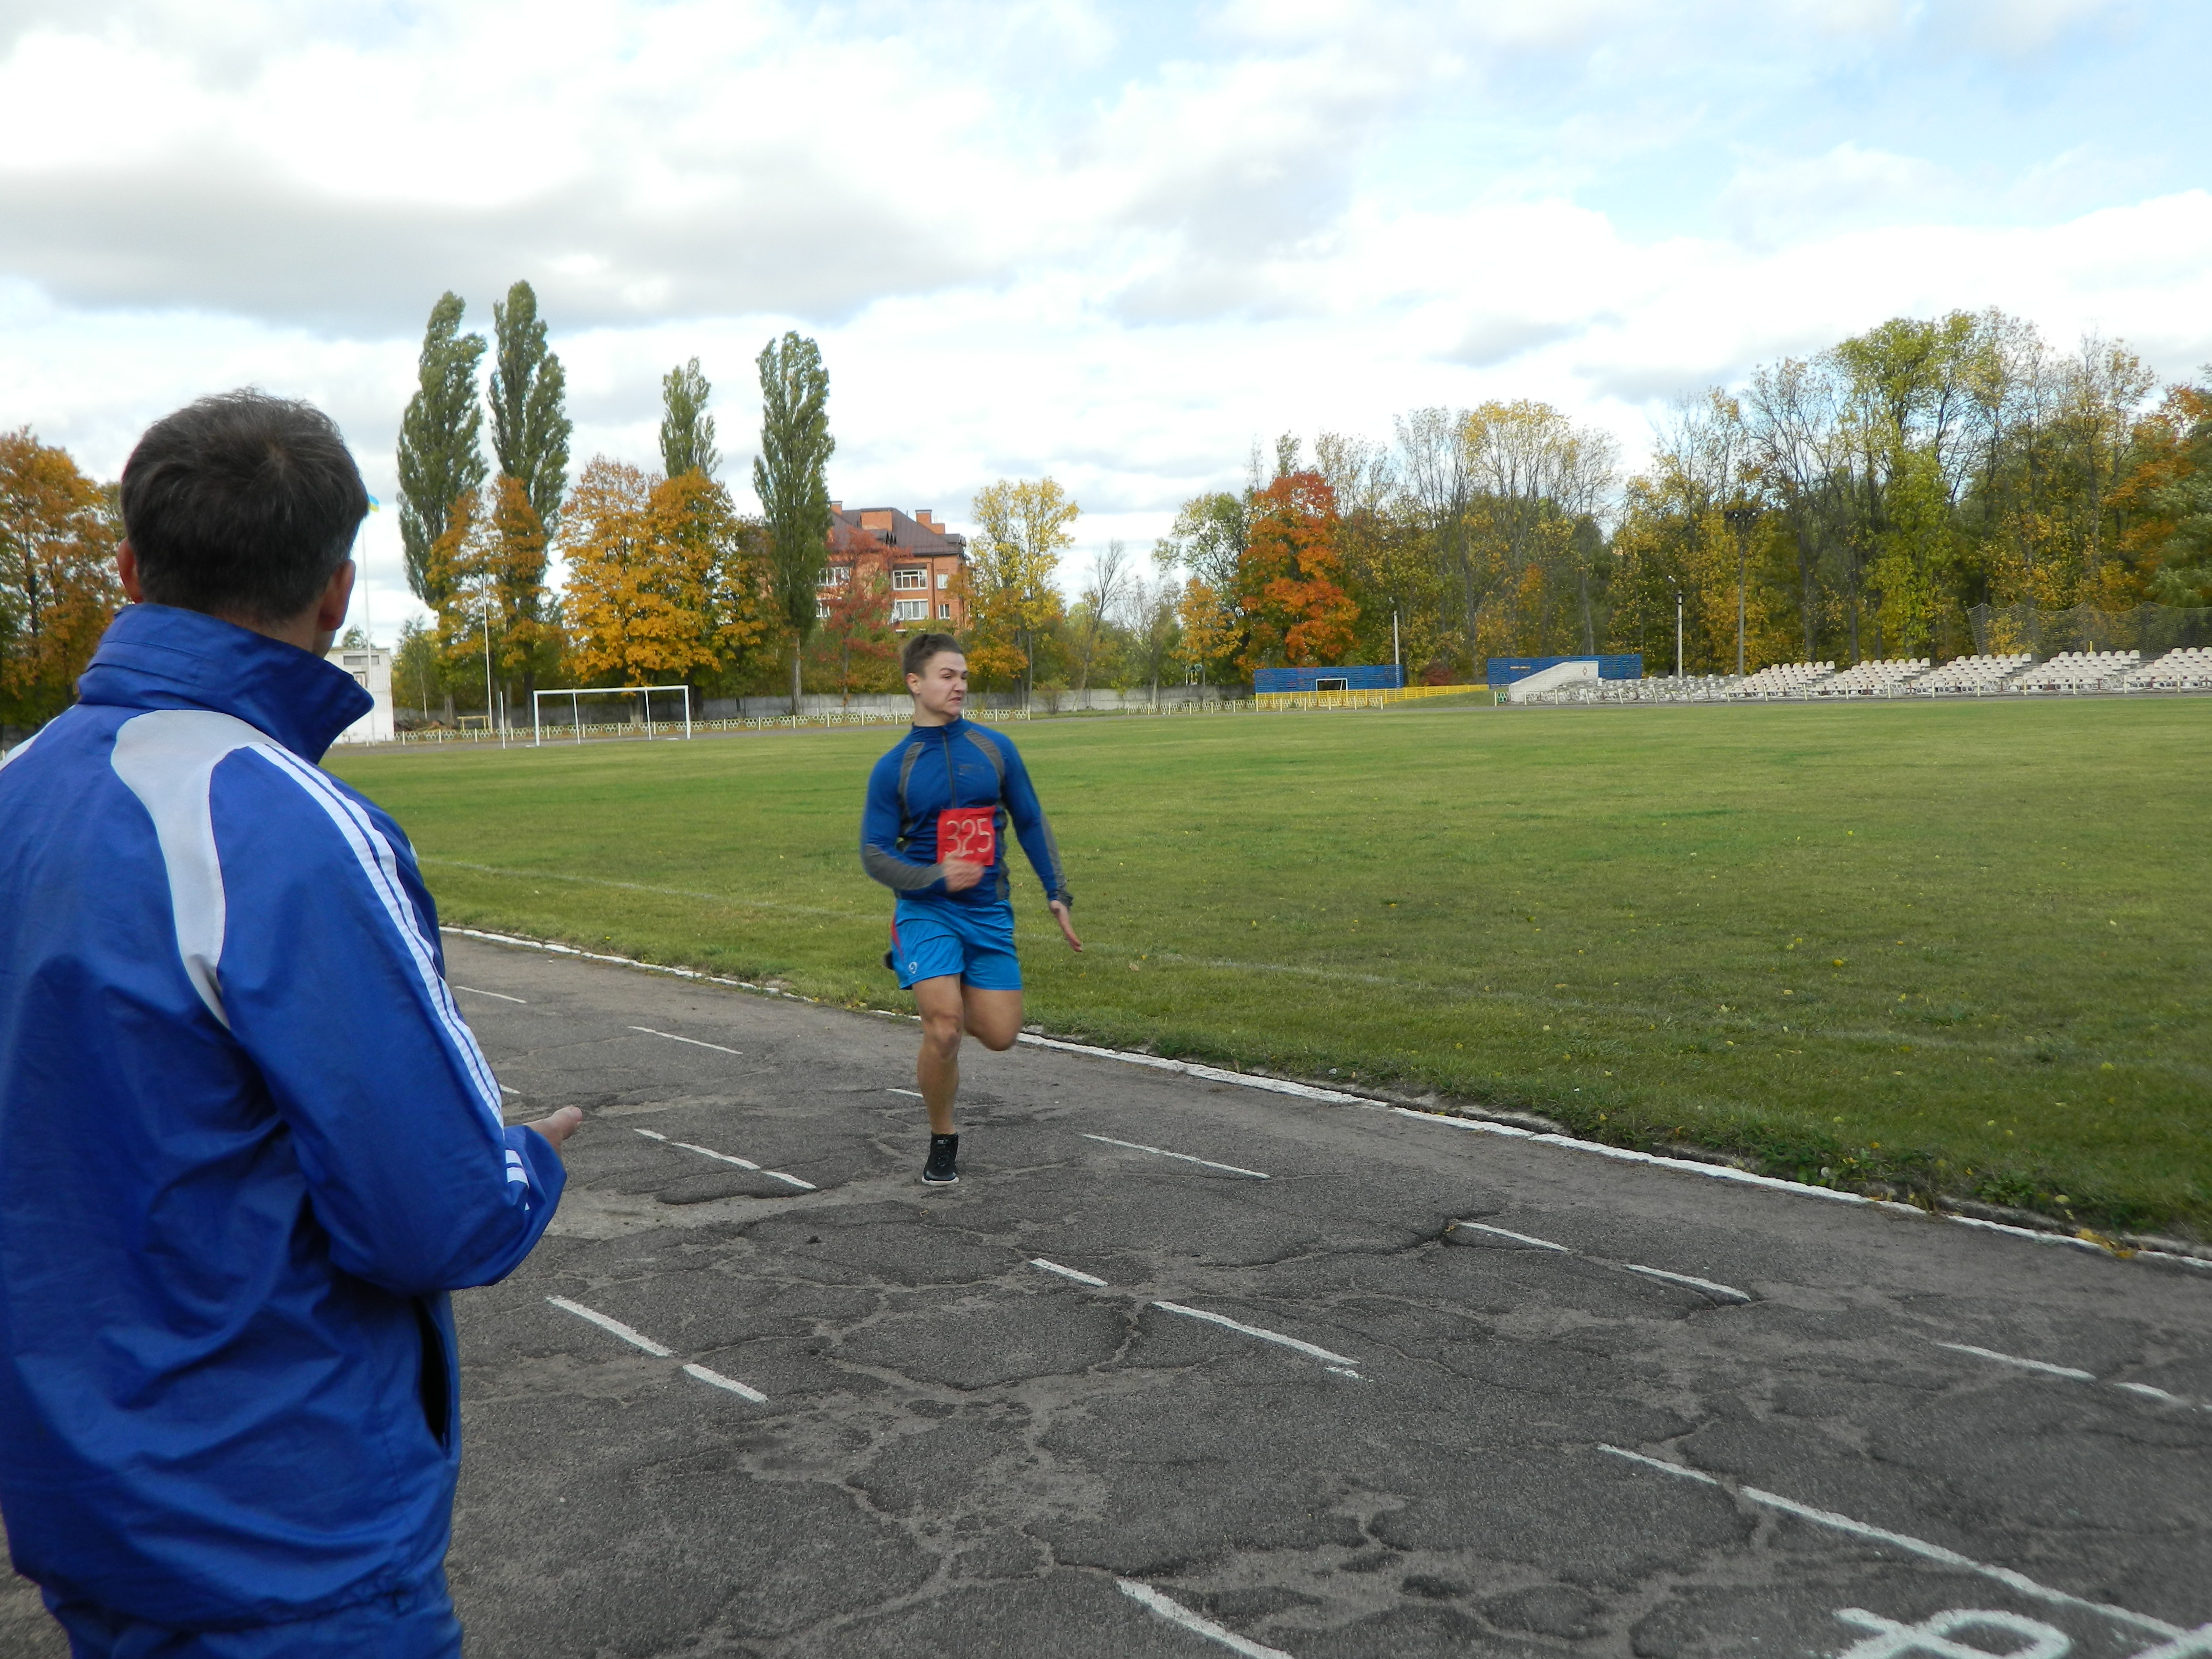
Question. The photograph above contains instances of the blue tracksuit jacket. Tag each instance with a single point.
(936, 766)
(247, 1143)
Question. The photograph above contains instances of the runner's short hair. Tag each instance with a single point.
(921, 647)
(242, 505)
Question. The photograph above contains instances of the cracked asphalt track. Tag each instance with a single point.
(960, 1451)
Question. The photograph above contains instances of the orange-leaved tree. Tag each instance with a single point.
(59, 532)
(485, 576)
(853, 643)
(659, 586)
(1294, 607)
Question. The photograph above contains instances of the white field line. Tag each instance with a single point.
(719, 1381)
(1066, 1272)
(499, 995)
(1726, 1292)
(916, 1093)
(2071, 1375)
(1276, 1337)
(726, 1158)
(694, 1042)
(504, 1089)
(1175, 1613)
(1335, 1097)
(1920, 1546)
(1161, 1152)
(636, 1338)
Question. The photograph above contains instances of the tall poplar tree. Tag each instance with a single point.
(686, 430)
(790, 478)
(441, 454)
(530, 422)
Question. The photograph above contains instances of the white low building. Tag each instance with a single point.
(371, 667)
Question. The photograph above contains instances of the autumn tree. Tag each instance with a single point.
(488, 571)
(686, 430)
(1022, 527)
(1094, 609)
(857, 646)
(791, 477)
(441, 453)
(58, 533)
(1295, 610)
(2167, 498)
(661, 584)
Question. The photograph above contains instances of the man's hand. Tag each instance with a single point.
(1066, 927)
(960, 875)
(559, 1127)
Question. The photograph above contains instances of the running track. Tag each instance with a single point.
(1185, 1369)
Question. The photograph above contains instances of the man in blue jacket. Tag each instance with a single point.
(934, 833)
(247, 1143)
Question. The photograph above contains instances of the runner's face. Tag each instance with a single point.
(942, 686)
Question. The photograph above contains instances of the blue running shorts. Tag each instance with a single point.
(930, 938)
(418, 1624)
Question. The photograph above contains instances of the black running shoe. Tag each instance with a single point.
(941, 1169)
(889, 963)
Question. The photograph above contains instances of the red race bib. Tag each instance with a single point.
(967, 833)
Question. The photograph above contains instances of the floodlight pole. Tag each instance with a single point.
(1740, 518)
(490, 716)
(1678, 632)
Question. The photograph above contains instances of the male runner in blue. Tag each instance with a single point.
(934, 833)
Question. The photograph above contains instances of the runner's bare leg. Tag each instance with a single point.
(947, 1008)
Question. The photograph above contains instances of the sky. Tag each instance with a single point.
(1119, 244)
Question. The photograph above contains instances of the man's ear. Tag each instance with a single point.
(337, 599)
(126, 570)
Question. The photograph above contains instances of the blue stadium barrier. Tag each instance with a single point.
(1503, 670)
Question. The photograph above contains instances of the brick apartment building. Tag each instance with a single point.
(918, 556)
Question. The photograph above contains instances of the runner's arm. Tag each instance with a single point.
(881, 831)
(1028, 819)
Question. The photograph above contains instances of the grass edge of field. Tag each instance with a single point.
(2021, 1195)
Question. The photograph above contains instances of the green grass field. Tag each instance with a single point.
(1958, 948)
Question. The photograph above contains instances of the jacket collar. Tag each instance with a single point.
(156, 656)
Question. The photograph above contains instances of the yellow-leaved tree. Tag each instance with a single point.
(485, 577)
(58, 531)
(1023, 527)
(661, 581)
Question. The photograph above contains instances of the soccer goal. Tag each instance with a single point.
(575, 707)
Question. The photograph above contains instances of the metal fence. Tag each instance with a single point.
(2149, 629)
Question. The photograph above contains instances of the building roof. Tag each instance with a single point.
(918, 534)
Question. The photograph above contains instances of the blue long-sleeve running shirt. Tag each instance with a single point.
(936, 766)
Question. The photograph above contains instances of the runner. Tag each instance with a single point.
(934, 833)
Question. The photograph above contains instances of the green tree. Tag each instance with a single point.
(1022, 527)
(529, 424)
(790, 476)
(686, 430)
(441, 453)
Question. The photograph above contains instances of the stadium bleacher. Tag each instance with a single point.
(1783, 679)
(1972, 676)
(1885, 678)
(2189, 669)
(2076, 671)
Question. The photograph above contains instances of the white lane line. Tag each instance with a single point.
(1726, 1292)
(502, 995)
(1920, 1546)
(1066, 1272)
(1518, 1238)
(504, 1089)
(1278, 1085)
(730, 1382)
(694, 1042)
(636, 1338)
(1277, 1337)
(2071, 1375)
(726, 1158)
(916, 1093)
(1175, 1613)
(2067, 1371)
(1161, 1152)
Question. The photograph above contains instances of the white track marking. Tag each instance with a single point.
(1346, 1371)
(504, 1089)
(502, 995)
(1278, 1085)
(1175, 1613)
(730, 1382)
(726, 1158)
(1161, 1152)
(2190, 1645)
(1893, 1640)
(1518, 1238)
(916, 1093)
(2071, 1375)
(1726, 1292)
(636, 1338)
(1066, 1272)
(2067, 1371)
(1277, 1337)
(694, 1042)
(1920, 1546)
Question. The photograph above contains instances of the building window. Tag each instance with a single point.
(835, 575)
(945, 613)
(944, 579)
(909, 577)
(821, 608)
(906, 611)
